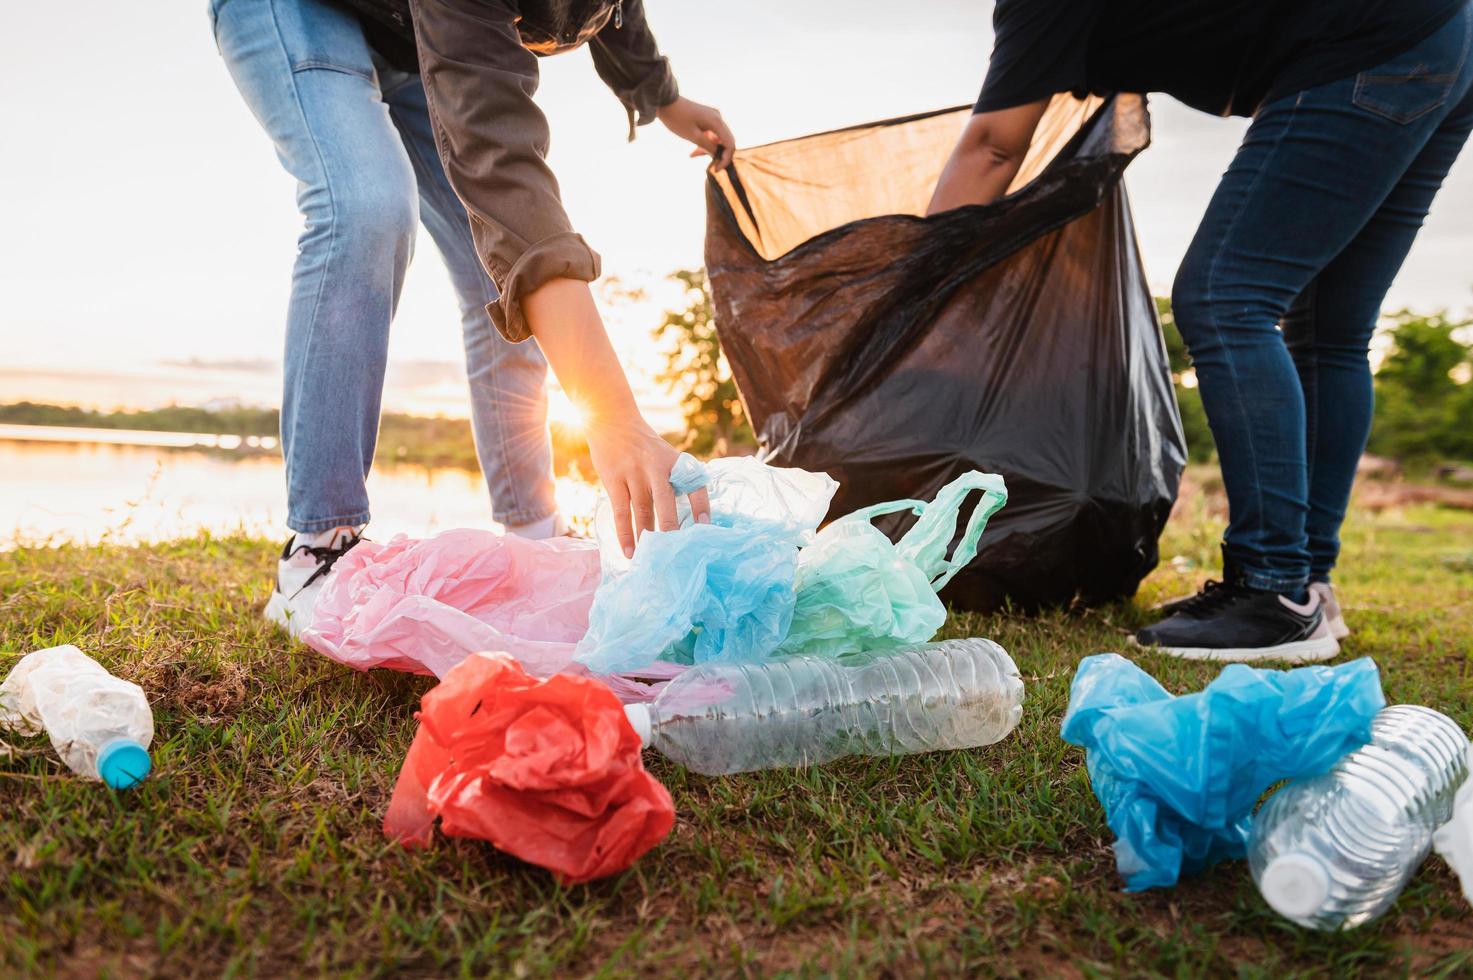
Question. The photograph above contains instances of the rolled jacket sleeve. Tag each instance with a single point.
(493, 141)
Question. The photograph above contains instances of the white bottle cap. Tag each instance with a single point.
(1296, 885)
(639, 717)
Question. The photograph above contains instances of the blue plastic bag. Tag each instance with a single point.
(1179, 776)
(718, 591)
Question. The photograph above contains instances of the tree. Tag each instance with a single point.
(1424, 403)
(1200, 445)
(715, 421)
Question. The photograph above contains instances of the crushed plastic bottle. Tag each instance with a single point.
(720, 718)
(100, 726)
(1333, 851)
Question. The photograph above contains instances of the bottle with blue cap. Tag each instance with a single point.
(100, 725)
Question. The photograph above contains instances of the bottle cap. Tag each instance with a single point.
(1296, 885)
(123, 763)
(639, 717)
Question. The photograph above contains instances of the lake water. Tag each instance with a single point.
(58, 489)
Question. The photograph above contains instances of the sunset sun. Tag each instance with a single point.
(564, 413)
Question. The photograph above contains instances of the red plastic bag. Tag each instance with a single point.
(548, 771)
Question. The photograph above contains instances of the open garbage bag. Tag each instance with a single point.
(546, 770)
(1179, 776)
(897, 352)
(722, 590)
(857, 591)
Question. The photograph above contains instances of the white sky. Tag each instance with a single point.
(147, 222)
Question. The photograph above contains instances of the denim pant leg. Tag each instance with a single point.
(1329, 332)
(1312, 172)
(307, 74)
(508, 382)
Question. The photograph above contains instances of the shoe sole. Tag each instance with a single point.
(276, 610)
(1298, 652)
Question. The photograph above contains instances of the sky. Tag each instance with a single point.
(150, 231)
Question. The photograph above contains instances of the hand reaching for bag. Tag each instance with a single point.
(703, 126)
(635, 464)
(632, 461)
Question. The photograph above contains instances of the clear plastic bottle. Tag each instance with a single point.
(100, 725)
(723, 717)
(1333, 851)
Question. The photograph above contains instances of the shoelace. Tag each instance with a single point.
(326, 558)
(1214, 595)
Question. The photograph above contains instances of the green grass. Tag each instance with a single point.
(255, 848)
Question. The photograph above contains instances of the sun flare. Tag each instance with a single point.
(564, 413)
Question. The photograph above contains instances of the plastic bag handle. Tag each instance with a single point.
(868, 514)
(925, 544)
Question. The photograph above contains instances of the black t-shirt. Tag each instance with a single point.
(1226, 57)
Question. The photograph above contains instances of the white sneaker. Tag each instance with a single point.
(1333, 617)
(305, 561)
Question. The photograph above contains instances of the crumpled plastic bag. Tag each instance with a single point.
(740, 489)
(722, 590)
(1454, 839)
(1179, 776)
(424, 604)
(857, 591)
(548, 771)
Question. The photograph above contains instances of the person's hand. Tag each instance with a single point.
(634, 464)
(703, 126)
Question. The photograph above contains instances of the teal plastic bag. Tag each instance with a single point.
(1178, 776)
(858, 591)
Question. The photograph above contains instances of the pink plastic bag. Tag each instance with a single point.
(425, 604)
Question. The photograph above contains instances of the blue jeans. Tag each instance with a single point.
(1307, 229)
(356, 135)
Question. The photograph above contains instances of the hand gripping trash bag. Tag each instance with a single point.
(897, 352)
(425, 604)
(1179, 776)
(548, 771)
(856, 591)
(705, 592)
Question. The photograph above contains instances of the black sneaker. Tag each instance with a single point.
(1230, 623)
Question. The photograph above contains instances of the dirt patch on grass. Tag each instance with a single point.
(1377, 495)
(207, 696)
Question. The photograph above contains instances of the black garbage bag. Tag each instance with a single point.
(895, 351)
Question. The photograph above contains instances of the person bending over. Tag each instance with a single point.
(479, 59)
(380, 137)
(1359, 109)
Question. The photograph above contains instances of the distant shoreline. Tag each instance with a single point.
(244, 431)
